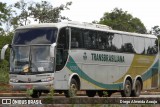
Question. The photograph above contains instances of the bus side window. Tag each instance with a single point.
(76, 38)
(128, 44)
(148, 46)
(102, 41)
(154, 45)
(74, 43)
(139, 45)
(116, 43)
(94, 40)
(90, 39)
(87, 40)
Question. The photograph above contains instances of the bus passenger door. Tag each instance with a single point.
(62, 49)
(61, 59)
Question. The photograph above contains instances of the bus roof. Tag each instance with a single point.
(84, 25)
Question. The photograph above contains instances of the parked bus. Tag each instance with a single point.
(73, 56)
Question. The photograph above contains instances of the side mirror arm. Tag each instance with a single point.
(3, 51)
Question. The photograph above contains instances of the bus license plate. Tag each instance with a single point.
(29, 86)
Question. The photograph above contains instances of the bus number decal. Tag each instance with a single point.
(74, 68)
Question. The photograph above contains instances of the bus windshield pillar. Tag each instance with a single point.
(52, 49)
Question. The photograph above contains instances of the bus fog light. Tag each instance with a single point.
(47, 79)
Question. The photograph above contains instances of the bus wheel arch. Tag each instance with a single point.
(77, 78)
(74, 86)
(127, 86)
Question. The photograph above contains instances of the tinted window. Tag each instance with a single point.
(128, 44)
(148, 46)
(76, 38)
(35, 36)
(116, 43)
(102, 41)
(63, 39)
(139, 45)
(154, 46)
(90, 39)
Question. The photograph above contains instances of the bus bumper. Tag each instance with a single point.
(35, 86)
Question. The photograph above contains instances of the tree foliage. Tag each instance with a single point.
(121, 20)
(22, 18)
(4, 14)
(43, 12)
(155, 30)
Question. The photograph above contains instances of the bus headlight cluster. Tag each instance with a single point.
(47, 79)
(13, 80)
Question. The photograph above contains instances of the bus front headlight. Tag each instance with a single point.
(13, 80)
(47, 79)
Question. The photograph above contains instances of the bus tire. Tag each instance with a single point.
(137, 91)
(36, 94)
(72, 92)
(90, 93)
(126, 92)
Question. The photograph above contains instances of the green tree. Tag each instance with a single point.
(4, 14)
(121, 20)
(155, 30)
(44, 12)
(22, 18)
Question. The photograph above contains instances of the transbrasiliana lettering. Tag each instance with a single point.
(107, 58)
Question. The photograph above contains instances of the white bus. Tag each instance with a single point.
(71, 57)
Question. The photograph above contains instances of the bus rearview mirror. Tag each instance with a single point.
(3, 51)
(52, 50)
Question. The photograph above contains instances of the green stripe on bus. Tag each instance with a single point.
(71, 64)
(152, 71)
(83, 75)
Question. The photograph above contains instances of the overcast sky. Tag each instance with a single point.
(148, 11)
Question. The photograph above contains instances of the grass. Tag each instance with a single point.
(4, 76)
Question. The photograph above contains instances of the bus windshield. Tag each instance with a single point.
(31, 59)
(35, 36)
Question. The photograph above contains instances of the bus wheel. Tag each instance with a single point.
(90, 93)
(36, 94)
(127, 89)
(137, 91)
(72, 92)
